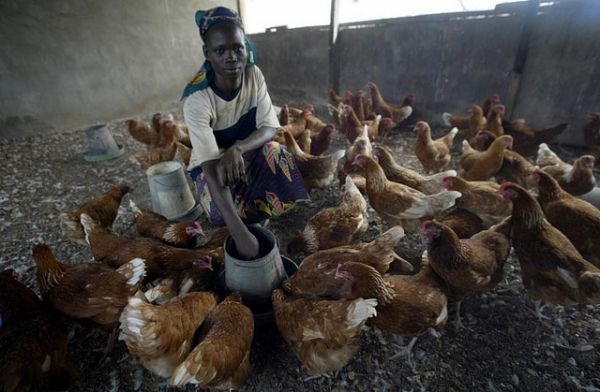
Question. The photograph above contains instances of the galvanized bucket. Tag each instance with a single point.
(255, 279)
(101, 145)
(170, 193)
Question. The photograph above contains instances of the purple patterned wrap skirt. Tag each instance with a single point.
(270, 186)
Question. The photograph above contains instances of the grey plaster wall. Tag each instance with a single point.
(70, 63)
(295, 64)
(453, 60)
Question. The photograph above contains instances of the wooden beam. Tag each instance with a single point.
(333, 32)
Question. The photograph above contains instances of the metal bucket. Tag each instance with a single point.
(170, 193)
(101, 145)
(255, 279)
(592, 197)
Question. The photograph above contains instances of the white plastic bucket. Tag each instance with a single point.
(592, 197)
(169, 190)
(101, 145)
(255, 279)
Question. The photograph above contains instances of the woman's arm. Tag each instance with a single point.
(232, 163)
(245, 243)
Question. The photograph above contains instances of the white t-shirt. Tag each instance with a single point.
(215, 123)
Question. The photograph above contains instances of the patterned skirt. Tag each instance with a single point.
(270, 186)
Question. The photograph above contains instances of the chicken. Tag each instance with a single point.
(482, 165)
(321, 141)
(361, 146)
(153, 225)
(352, 127)
(476, 122)
(489, 103)
(166, 148)
(400, 204)
(482, 140)
(494, 120)
(102, 209)
(313, 122)
(397, 112)
(551, 268)
(395, 172)
(295, 128)
(143, 132)
(304, 141)
(334, 226)
(92, 291)
(284, 115)
(420, 302)
(378, 253)
(481, 198)
(386, 125)
(324, 334)
(469, 266)
(434, 155)
(337, 279)
(161, 336)
(317, 171)
(335, 99)
(575, 218)
(183, 136)
(591, 134)
(358, 105)
(33, 342)
(185, 153)
(161, 260)
(576, 179)
(463, 222)
(222, 358)
(527, 139)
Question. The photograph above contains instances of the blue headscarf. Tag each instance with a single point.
(205, 20)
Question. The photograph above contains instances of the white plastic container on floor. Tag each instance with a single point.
(592, 197)
(170, 192)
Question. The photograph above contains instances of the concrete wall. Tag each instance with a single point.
(295, 64)
(70, 63)
(453, 60)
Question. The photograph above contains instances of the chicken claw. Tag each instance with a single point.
(406, 351)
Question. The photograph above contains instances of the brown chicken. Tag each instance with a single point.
(358, 105)
(489, 103)
(482, 165)
(420, 302)
(33, 342)
(295, 128)
(403, 175)
(339, 280)
(464, 223)
(434, 155)
(143, 132)
(222, 358)
(334, 226)
(153, 225)
(576, 179)
(335, 99)
(378, 253)
(92, 291)
(551, 268)
(304, 141)
(575, 218)
(185, 153)
(476, 122)
(482, 140)
(324, 334)
(165, 150)
(161, 336)
(317, 171)
(481, 198)
(161, 259)
(494, 120)
(102, 209)
(320, 142)
(313, 122)
(352, 127)
(469, 266)
(400, 204)
(397, 112)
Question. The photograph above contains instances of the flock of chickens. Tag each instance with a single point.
(156, 289)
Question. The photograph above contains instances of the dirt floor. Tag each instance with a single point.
(503, 348)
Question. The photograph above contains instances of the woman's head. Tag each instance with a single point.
(224, 47)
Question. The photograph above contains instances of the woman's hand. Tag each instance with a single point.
(231, 167)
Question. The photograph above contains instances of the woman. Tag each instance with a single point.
(241, 176)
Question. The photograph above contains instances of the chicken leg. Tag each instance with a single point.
(406, 351)
(458, 322)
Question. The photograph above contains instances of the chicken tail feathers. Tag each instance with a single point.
(545, 156)
(446, 118)
(362, 310)
(441, 201)
(134, 271)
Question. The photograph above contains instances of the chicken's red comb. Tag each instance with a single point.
(505, 185)
(496, 97)
(425, 224)
(420, 124)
